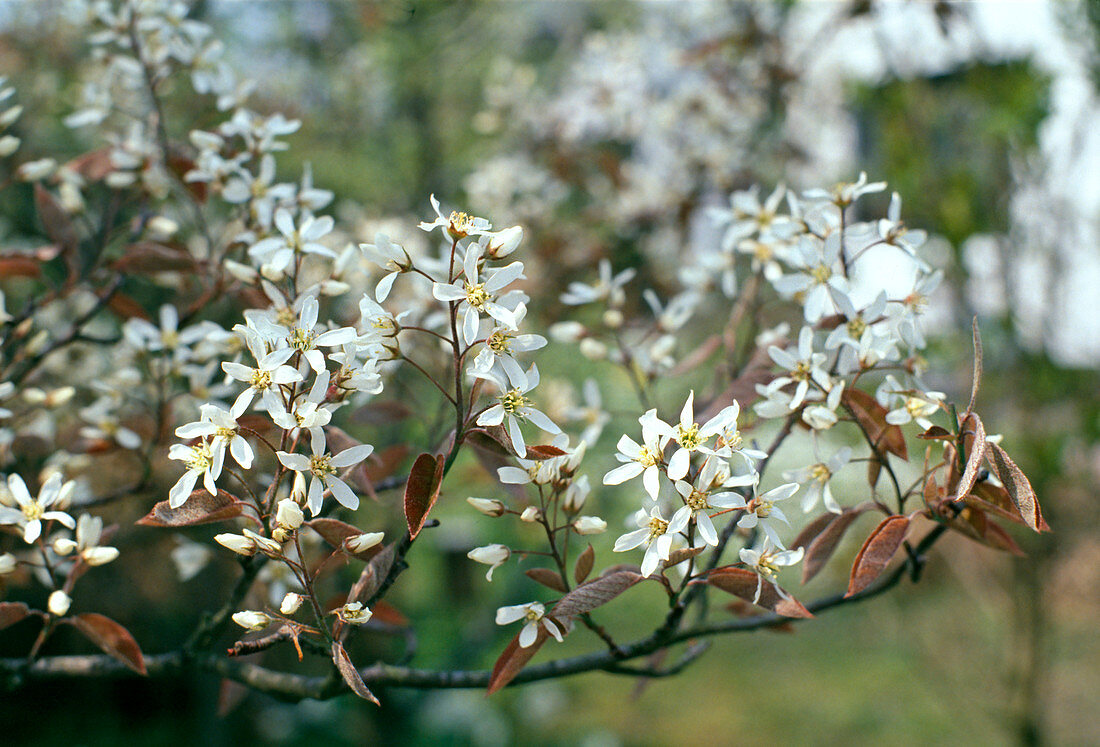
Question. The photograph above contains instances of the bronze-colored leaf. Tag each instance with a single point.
(811, 530)
(491, 438)
(548, 578)
(334, 532)
(57, 223)
(976, 525)
(513, 659)
(544, 451)
(19, 266)
(871, 416)
(974, 446)
(199, 508)
(381, 413)
(743, 584)
(684, 553)
(597, 592)
(584, 564)
(993, 499)
(876, 552)
(937, 433)
(111, 637)
(12, 612)
(370, 579)
(94, 165)
(384, 462)
(422, 490)
(825, 543)
(350, 673)
(976, 381)
(1018, 487)
(148, 257)
(126, 307)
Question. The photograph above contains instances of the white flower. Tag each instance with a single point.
(488, 506)
(762, 511)
(361, 542)
(58, 603)
(323, 468)
(747, 216)
(844, 194)
(7, 564)
(641, 459)
(354, 613)
(817, 476)
(200, 461)
(691, 437)
(304, 338)
(696, 504)
(501, 346)
(654, 534)
(608, 287)
(804, 368)
(816, 276)
(514, 407)
(290, 604)
(221, 427)
(168, 337)
(252, 619)
(915, 406)
(390, 257)
(476, 296)
(88, 531)
(530, 515)
(31, 513)
(766, 561)
(265, 378)
(533, 614)
(277, 252)
(105, 423)
(457, 225)
(493, 556)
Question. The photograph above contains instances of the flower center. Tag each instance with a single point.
(688, 437)
(533, 614)
(697, 501)
(33, 511)
(260, 379)
(285, 316)
(657, 527)
(227, 433)
(301, 339)
(647, 458)
(821, 274)
(801, 371)
(916, 406)
(460, 224)
(820, 473)
(731, 437)
(200, 458)
(476, 295)
(763, 509)
(500, 342)
(762, 252)
(169, 338)
(856, 328)
(321, 466)
(513, 400)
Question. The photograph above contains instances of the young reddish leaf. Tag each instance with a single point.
(544, 451)
(743, 583)
(977, 378)
(975, 525)
(59, 227)
(334, 532)
(584, 564)
(12, 612)
(824, 544)
(974, 446)
(1018, 487)
(937, 433)
(513, 659)
(679, 556)
(595, 593)
(811, 530)
(114, 639)
(350, 673)
(422, 490)
(993, 499)
(199, 508)
(384, 612)
(872, 418)
(148, 257)
(94, 165)
(126, 307)
(19, 265)
(381, 413)
(385, 462)
(373, 574)
(548, 578)
(492, 439)
(876, 552)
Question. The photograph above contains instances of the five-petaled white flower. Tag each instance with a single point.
(641, 459)
(263, 380)
(534, 614)
(457, 225)
(476, 295)
(804, 368)
(199, 458)
(697, 503)
(513, 406)
(818, 476)
(323, 467)
(277, 252)
(691, 437)
(655, 533)
(390, 257)
(33, 512)
(221, 427)
(766, 561)
(761, 510)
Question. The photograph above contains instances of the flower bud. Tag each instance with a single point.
(266, 545)
(252, 619)
(162, 227)
(99, 555)
(236, 543)
(289, 514)
(567, 331)
(530, 515)
(503, 243)
(63, 546)
(589, 525)
(488, 506)
(592, 349)
(241, 272)
(362, 542)
(613, 318)
(491, 555)
(32, 171)
(354, 613)
(58, 603)
(7, 564)
(8, 145)
(576, 494)
(291, 603)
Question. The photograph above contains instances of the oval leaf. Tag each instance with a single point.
(114, 639)
(547, 578)
(12, 612)
(544, 451)
(584, 564)
(743, 583)
(824, 544)
(513, 659)
(422, 490)
(872, 418)
(974, 446)
(199, 508)
(351, 674)
(876, 552)
(595, 593)
(1018, 487)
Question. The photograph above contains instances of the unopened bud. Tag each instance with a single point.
(613, 318)
(7, 564)
(592, 349)
(32, 171)
(503, 243)
(236, 543)
(252, 619)
(8, 145)
(362, 542)
(488, 506)
(567, 331)
(589, 525)
(291, 603)
(63, 546)
(58, 603)
(289, 514)
(530, 515)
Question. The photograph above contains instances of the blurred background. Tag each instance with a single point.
(605, 129)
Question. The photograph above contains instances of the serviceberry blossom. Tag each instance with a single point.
(761, 510)
(655, 534)
(476, 295)
(914, 406)
(493, 556)
(457, 225)
(323, 467)
(642, 459)
(691, 437)
(694, 510)
(534, 614)
(609, 287)
(816, 477)
(766, 560)
(220, 426)
(513, 407)
(816, 275)
(31, 513)
(277, 252)
(390, 257)
(803, 369)
(199, 458)
(501, 345)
